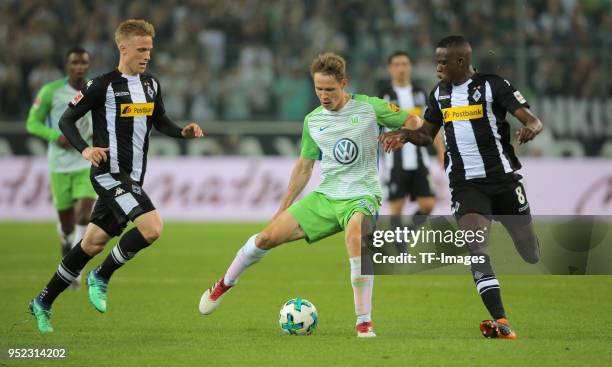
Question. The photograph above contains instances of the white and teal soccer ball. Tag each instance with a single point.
(298, 316)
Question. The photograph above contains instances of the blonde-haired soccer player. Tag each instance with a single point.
(342, 132)
(125, 104)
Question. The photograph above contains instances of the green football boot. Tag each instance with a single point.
(97, 291)
(42, 315)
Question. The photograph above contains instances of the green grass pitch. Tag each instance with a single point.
(421, 320)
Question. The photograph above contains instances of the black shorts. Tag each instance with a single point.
(120, 199)
(507, 199)
(413, 183)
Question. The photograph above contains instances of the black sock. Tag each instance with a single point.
(69, 268)
(129, 244)
(488, 288)
(395, 222)
(418, 218)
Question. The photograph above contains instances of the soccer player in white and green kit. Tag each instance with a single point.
(73, 195)
(342, 133)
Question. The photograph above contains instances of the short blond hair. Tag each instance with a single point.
(134, 27)
(329, 63)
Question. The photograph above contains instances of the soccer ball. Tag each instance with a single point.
(298, 317)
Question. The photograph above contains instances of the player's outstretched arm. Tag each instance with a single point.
(396, 139)
(302, 171)
(165, 126)
(533, 125)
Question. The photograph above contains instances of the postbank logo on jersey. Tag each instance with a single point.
(137, 109)
(345, 151)
(463, 113)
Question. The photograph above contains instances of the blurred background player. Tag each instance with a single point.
(73, 195)
(342, 132)
(125, 103)
(407, 170)
(480, 162)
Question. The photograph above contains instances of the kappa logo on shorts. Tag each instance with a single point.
(119, 191)
(455, 207)
(345, 151)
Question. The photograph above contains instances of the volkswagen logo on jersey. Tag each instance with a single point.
(345, 151)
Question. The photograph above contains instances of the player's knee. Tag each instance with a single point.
(353, 243)
(152, 233)
(265, 241)
(427, 207)
(92, 248)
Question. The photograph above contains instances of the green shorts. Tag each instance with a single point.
(66, 187)
(320, 216)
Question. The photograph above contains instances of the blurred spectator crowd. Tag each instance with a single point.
(244, 60)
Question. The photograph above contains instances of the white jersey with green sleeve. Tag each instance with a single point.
(346, 142)
(49, 105)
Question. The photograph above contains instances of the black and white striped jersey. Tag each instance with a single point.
(476, 133)
(410, 157)
(124, 109)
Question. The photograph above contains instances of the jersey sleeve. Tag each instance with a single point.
(160, 120)
(91, 96)
(159, 110)
(432, 111)
(309, 149)
(38, 113)
(388, 114)
(505, 95)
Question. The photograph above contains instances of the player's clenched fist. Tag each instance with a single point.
(192, 130)
(95, 155)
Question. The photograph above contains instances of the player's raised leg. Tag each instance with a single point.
(148, 229)
(283, 228)
(362, 284)
(485, 280)
(68, 270)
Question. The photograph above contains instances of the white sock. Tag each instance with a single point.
(248, 255)
(79, 232)
(362, 291)
(65, 237)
